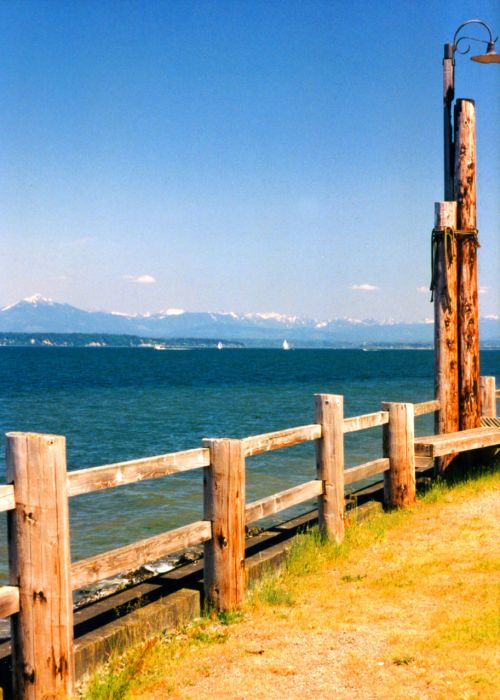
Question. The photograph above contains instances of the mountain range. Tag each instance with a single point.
(37, 314)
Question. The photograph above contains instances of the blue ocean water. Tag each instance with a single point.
(121, 404)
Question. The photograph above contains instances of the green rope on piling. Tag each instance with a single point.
(447, 235)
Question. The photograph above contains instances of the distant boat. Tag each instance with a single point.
(219, 345)
(286, 345)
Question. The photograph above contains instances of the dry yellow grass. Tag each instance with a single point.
(408, 609)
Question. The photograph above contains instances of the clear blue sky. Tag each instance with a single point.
(245, 155)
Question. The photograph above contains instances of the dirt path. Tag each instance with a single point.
(392, 621)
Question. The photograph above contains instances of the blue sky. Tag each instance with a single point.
(243, 155)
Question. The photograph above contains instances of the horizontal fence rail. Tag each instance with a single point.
(257, 444)
(7, 501)
(9, 600)
(363, 471)
(37, 504)
(94, 569)
(424, 407)
(369, 420)
(111, 475)
(465, 440)
(282, 500)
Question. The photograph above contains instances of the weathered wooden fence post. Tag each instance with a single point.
(40, 564)
(330, 464)
(488, 397)
(467, 243)
(399, 447)
(224, 505)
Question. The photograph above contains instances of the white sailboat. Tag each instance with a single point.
(286, 345)
(219, 345)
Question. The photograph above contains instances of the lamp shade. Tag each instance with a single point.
(490, 57)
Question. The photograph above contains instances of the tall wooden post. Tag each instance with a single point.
(468, 313)
(399, 447)
(445, 320)
(40, 564)
(488, 397)
(330, 464)
(224, 505)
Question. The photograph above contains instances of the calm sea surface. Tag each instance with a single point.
(120, 404)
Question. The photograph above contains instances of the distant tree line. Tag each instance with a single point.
(107, 340)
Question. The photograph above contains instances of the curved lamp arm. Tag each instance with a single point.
(490, 56)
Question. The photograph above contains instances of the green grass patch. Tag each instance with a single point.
(311, 553)
(231, 617)
(116, 679)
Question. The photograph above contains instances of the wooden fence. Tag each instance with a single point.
(42, 577)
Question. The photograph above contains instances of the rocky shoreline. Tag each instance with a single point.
(90, 594)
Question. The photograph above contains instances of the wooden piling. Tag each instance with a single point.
(330, 464)
(445, 315)
(467, 243)
(488, 397)
(40, 564)
(398, 445)
(445, 321)
(224, 506)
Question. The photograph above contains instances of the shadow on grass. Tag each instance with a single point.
(465, 466)
(464, 470)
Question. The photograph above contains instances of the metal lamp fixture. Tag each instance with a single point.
(490, 56)
(450, 50)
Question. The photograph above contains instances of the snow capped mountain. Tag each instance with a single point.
(37, 299)
(37, 314)
(174, 312)
(34, 300)
(273, 316)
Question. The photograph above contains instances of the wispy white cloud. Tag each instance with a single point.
(492, 317)
(423, 290)
(140, 279)
(364, 287)
(483, 290)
